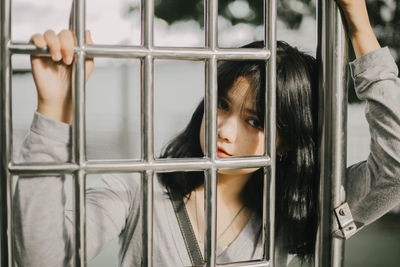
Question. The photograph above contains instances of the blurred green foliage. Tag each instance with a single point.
(384, 16)
(291, 12)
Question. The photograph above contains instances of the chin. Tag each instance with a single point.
(237, 171)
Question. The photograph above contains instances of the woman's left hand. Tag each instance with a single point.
(358, 26)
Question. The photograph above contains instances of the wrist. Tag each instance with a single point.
(364, 43)
(57, 111)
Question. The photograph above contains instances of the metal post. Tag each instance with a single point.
(147, 151)
(6, 138)
(210, 182)
(331, 55)
(270, 17)
(79, 134)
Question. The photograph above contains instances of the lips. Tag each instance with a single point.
(222, 153)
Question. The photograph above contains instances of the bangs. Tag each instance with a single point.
(230, 71)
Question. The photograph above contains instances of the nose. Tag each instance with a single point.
(227, 127)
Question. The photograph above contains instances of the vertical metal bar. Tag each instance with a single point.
(210, 216)
(147, 152)
(80, 219)
(79, 138)
(147, 26)
(210, 183)
(147, 117)
(331, 54)
(147, 217)
(270, 17)
(147, 91)
(6, 237)
(211, 24)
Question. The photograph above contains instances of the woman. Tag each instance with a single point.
(113, 207)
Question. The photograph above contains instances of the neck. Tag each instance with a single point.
(229, 187)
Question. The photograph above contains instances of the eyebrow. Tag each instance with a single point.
(251, 111)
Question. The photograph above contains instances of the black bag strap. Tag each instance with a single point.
(186, 227)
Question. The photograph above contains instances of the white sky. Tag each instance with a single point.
(106, 20)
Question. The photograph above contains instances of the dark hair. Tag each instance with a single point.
(296, 173)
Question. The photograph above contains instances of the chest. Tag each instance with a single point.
(231, 219)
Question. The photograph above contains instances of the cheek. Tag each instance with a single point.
(261, 144)
(254, 144)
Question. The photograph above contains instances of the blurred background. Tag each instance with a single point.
(113, 103)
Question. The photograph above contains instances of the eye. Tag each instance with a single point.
(255, 123)
(223, 104)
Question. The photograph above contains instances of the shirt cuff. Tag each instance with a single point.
(379, 57)
(53, 129)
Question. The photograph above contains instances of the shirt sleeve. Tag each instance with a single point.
(43, 227)
(373, 186)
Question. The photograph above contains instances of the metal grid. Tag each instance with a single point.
(147, 166)
(332, 128)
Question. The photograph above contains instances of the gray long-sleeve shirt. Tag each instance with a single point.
(43, 226)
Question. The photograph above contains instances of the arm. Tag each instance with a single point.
(358, 26)
(43, 228)
(373, 186)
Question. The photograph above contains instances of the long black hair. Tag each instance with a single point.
(296, 173)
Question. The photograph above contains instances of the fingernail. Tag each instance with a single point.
(68, 60)
(57, 57)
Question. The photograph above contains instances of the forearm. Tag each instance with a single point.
(359, 27)
(41, 228)
(40, 225)
(59, 111)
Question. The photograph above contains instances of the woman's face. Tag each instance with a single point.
(239, 131)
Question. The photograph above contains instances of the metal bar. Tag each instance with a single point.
(160, 165)
(210, 183)
(147, 27)
(211, 24)
(42, 168)
(147, 216)
(79, 138)
(117, 51)
(331, 55)
(147, 91)
(80, 220)
(210, 216)
(6, 141)
(270, 18)
(147, 149)
(246, 264)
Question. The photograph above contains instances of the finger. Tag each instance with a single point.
(89, 61)
(53, 44)
(88, 37)
(38, 41)
(67, 46)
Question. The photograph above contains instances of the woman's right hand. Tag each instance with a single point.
(52, 75)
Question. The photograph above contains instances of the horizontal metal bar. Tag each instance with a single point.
(107, 166)
(42, 168)
(247, 264)
(119, 51)
(176, 165)
(17, 71)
